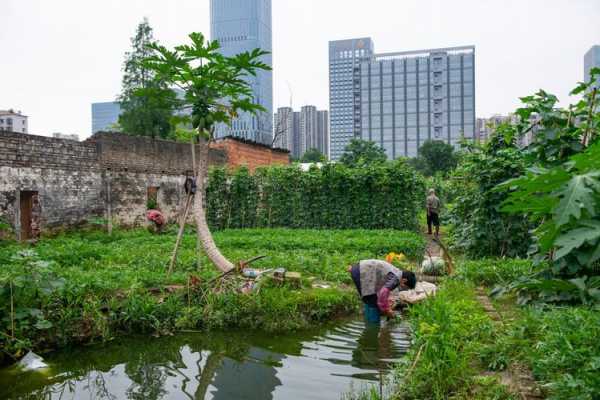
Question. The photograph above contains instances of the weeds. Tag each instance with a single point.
(87, 286)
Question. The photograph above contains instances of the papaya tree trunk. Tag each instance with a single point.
(213, 253)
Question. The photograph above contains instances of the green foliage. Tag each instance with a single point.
(559, 344)
(560, 191)
(362, 153)
(6, 230)
(480, 229)
(86, 286)
(435, 157)
(214, 85)
(147, 103)
(491, 272)
(448, 330)
(313, 156)
(387, 195)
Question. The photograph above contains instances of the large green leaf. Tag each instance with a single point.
(578, 195)
(576, 238)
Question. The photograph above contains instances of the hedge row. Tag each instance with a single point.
(387, 196)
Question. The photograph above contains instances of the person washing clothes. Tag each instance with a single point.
(374, 280)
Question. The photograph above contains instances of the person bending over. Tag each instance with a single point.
(374, 280)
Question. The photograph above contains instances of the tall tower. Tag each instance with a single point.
(240, 26)
(345, 57)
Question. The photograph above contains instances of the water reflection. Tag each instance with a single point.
(312, 365)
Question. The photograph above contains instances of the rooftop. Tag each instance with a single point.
(424, 53)
(12, 112)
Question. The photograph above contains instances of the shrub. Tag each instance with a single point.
(379, 196)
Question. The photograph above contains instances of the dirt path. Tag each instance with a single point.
(518, 378)
(433, 249)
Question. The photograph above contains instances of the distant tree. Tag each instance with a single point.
(313, 155)
(435, 156)
(360, 153)
(147, 103)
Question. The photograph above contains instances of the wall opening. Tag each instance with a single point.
(31, 213)
(152, 198)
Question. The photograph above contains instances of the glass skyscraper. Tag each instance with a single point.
(240, 26)
(105, 115)
(345, 57)
(400, 100)
(591, 60)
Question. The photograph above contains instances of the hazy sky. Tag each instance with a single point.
(59, 56)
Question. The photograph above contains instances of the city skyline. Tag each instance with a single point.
(299, 131)
(508, 65)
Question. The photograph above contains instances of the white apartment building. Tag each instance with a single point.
(13, 121)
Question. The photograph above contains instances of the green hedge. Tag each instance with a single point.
(386, 196)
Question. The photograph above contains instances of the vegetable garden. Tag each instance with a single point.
(522, 221)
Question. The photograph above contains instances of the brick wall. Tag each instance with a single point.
(75, 180)
(251, 155)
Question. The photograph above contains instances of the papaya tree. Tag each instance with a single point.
(560, 192)
(216, 91)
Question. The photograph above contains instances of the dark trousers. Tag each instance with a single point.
(433, 219)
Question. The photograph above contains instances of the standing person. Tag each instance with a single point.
(374, 280)
(433, 212)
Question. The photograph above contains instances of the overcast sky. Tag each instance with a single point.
(59, 56)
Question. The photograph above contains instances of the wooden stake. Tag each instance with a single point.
(108, 205)
(180, 234)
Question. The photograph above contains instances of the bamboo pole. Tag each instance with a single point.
(186, 211)
(108, 205)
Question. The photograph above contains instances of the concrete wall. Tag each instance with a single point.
(81, 181)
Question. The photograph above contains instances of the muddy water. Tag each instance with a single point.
(322, 364)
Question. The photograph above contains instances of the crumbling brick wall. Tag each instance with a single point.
(251, 155)
(65, 173)
(80, 181)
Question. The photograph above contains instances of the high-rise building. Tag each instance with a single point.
(13, 121)
(308, 128)
(240, 26)
(345, 57)
(105, 115)
(485, 127)
(301, 131)
(284, 133)
(322, 138)
(591, 60)
(400, 100)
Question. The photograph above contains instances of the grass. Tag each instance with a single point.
(87, 286)
(559, 344)
(449, 330)
(491, 272)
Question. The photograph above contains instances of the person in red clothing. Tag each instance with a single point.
(374, 280)
(157, 218)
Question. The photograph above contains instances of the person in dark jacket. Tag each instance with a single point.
(433, 205)
(374, 280)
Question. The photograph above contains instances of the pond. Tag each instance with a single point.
(321, 364)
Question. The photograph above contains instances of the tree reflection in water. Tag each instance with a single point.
(205, 366)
